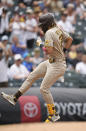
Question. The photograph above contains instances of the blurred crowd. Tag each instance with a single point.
(19, 31)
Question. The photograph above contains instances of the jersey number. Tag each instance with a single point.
(61, 38)
(59, 33)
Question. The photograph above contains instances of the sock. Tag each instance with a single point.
(51, 109)
(17, 95)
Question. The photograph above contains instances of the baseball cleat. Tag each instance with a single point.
(9, 98)
(52, 118)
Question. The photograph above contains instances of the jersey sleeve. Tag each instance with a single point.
(48, 39)
(65, 35)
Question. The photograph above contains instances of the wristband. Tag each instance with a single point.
(64, 50)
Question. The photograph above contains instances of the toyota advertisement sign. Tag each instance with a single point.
(30, 109)
(69, 103)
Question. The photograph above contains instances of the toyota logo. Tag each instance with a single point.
(30, 109)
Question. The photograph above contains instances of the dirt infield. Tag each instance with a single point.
(67, 126)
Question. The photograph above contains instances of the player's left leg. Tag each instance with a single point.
(39, 71)
(53, 73)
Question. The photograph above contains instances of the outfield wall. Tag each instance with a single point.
(70, 103)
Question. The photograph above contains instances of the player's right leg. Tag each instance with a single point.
(54, 72)
(37, 73)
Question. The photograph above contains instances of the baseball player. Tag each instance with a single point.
(51, 69)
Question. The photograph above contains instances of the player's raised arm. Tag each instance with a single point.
(48, 44)
(46, 22)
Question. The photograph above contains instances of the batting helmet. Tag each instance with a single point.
(46, 21)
